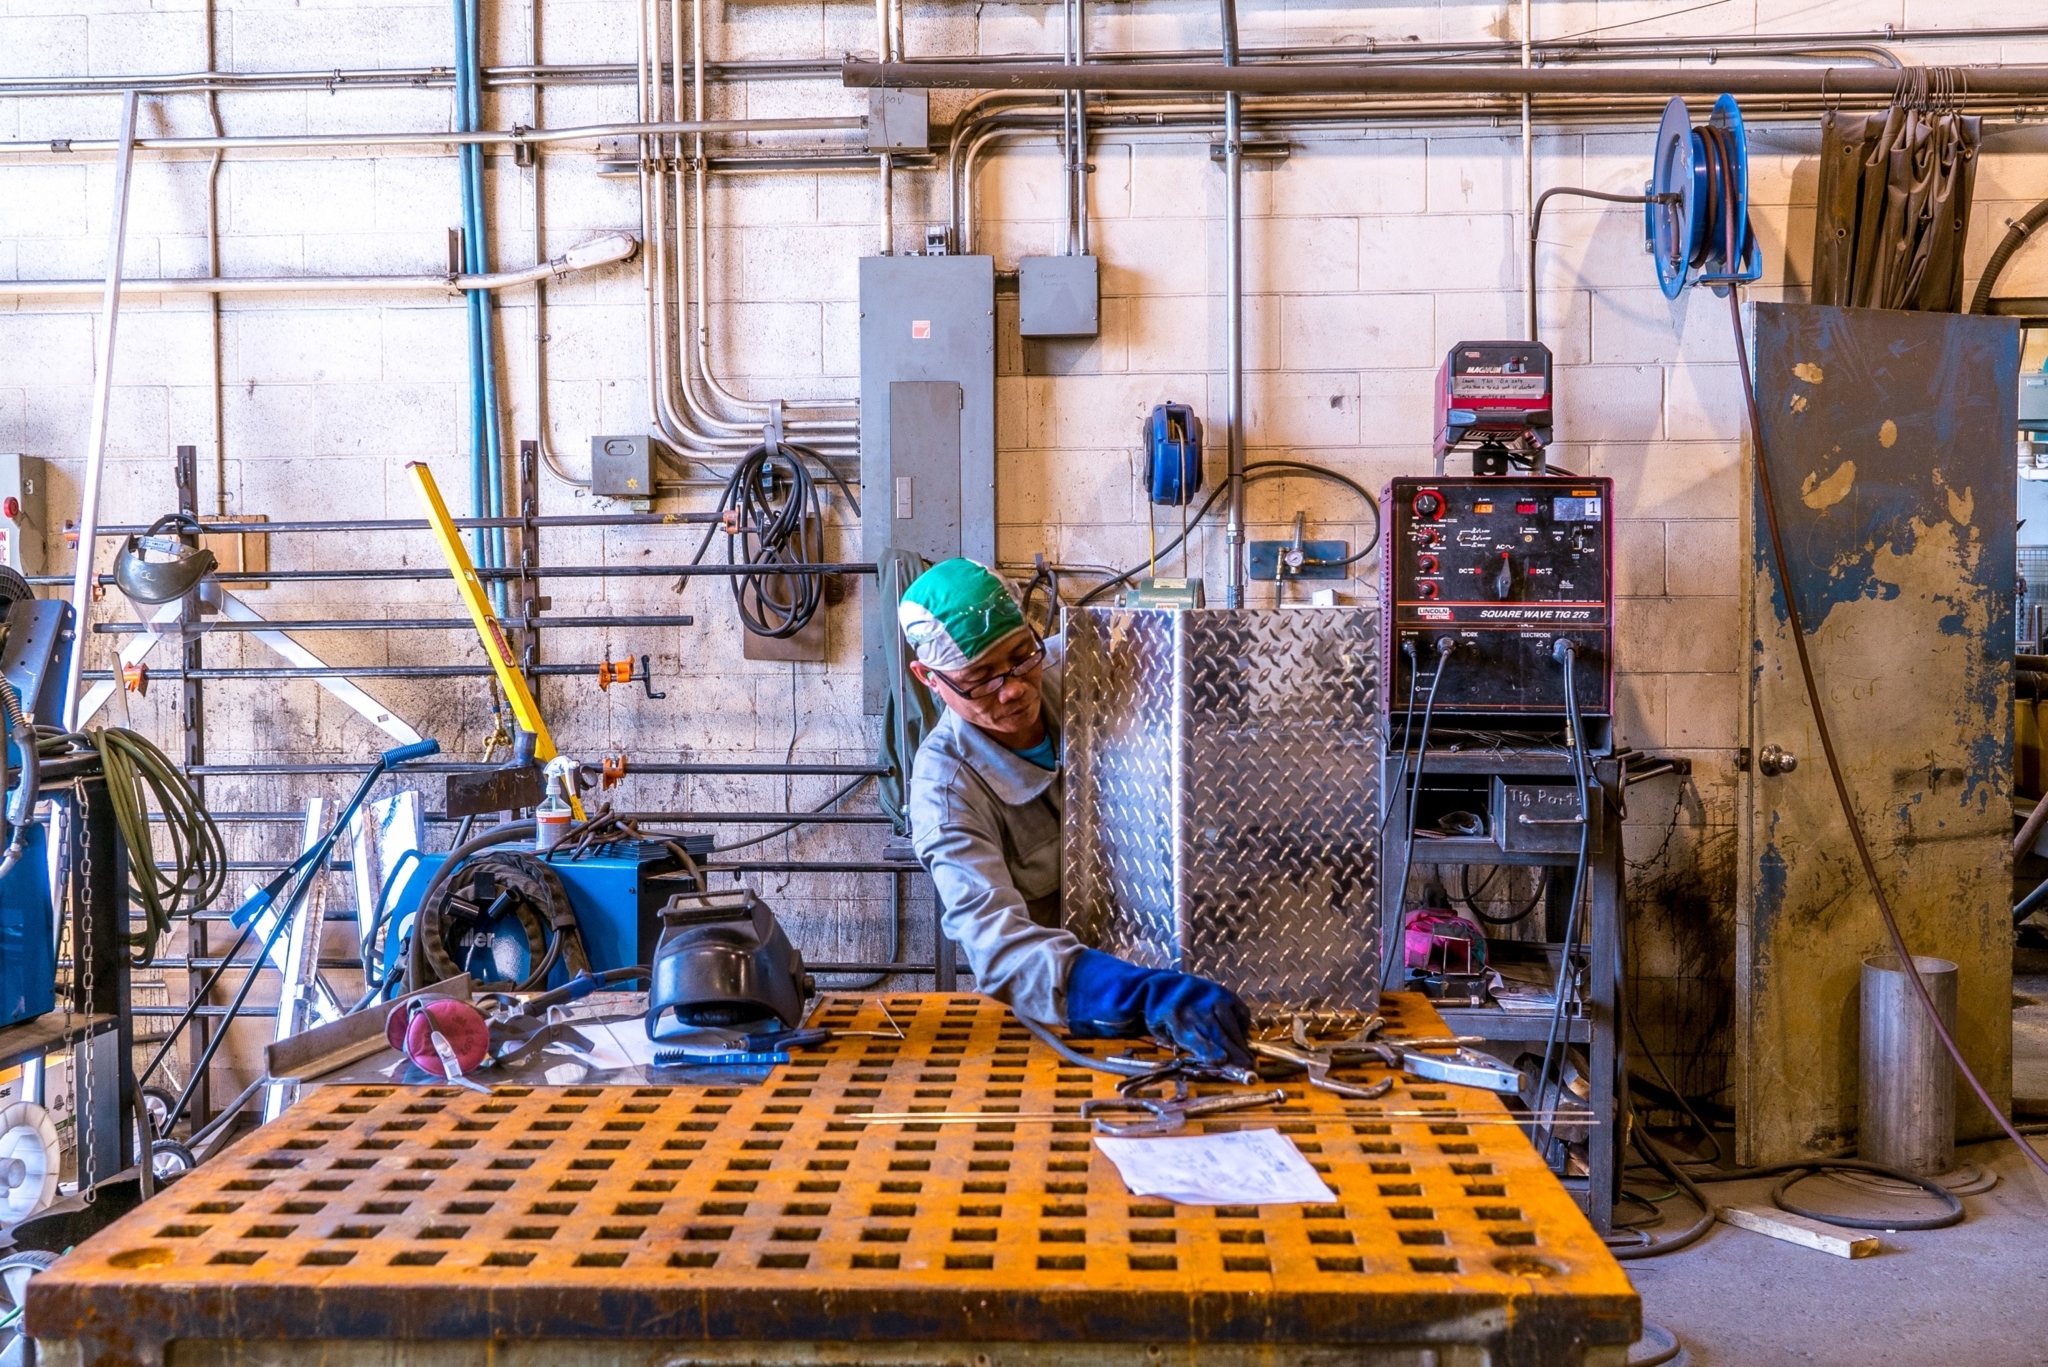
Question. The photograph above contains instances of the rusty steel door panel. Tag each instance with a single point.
(1890, 438)
(769, 1215)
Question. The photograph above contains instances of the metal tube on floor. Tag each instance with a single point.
(1906, 1083)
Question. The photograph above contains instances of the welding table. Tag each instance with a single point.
(675, 1225)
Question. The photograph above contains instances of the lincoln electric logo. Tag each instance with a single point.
(1434, 614)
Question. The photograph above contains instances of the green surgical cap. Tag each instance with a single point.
(955, 613)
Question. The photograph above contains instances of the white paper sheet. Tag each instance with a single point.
(1241, 1167)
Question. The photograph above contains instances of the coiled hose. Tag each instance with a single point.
(138, 774)
(761, 531)
(2015, 237)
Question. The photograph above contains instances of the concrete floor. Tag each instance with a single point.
(1975, 1293)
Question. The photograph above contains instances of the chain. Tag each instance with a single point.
(70, 950)
(87, 1122)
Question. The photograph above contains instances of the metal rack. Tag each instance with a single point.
(1597, 1026)
(526, 618)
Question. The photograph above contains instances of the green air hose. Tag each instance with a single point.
(138, 774)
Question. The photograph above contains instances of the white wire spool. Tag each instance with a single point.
(29, 1161)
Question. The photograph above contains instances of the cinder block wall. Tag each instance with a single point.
(1370, 251)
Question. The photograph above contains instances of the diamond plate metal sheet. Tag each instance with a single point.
(1223, 797)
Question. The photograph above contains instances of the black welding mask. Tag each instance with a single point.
(723, 962)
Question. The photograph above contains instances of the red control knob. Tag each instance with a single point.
(10, 508)
(1425, 564)
(1429, 504)
(1425, 590)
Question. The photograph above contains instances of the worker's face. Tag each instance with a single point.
(1001, 693)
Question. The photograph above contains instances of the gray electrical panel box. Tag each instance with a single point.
(927, 422)
(1058, 296)
(622, 466)
(899, 120)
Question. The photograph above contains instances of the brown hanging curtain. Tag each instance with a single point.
(1895, 200)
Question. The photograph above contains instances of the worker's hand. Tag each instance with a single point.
(1110, 999)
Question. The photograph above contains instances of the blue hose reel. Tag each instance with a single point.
(1696, 225)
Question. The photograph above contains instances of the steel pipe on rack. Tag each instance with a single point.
(482, 137)
(1423, 79)
(404, 624)
(666, 767)
(420, 524)
(1861, 42)
(605, 253)
(507, 572)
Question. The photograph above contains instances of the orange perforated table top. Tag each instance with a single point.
(770, 1212)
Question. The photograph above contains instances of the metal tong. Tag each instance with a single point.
(1318, 1060)
(1169, 1114)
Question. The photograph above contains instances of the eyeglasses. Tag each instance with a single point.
(988, 687)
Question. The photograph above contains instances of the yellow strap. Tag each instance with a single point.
(487, 628)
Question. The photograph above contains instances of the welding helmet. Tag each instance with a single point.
(723, 962)
(177, 568)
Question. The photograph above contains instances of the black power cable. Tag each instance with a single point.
(1254, 472)
(1566, 654)
(766, 527)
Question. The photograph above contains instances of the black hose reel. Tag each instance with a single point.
(503, 918)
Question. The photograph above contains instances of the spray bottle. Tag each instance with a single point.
(551, 818)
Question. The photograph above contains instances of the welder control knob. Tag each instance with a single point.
(1425, 590)
(1425, 564)
(1774, 760)
(1504, 579)
(10, 508)
(1429, 504)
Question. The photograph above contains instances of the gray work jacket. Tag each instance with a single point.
(986, 823)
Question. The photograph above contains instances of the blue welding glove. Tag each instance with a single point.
(1110, 999)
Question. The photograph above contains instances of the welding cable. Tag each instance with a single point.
(1796, 622)
(138, 773)
(760, 531)
(1118, 1066)
(526, 890)
(827, 805)
(1566, 654)
(369, 954)
(1470, 897)
(1407, 730)
(1399, 888)
(1254, 472)
(2016, 235)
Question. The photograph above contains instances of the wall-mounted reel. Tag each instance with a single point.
(1703, 236)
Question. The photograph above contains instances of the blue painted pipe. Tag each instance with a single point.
(487, 464)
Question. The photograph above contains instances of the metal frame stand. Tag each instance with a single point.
(1597, 1028)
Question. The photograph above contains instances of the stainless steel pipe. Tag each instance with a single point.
(1906, 1083)
(1423, 79)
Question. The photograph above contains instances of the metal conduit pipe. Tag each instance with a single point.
(692, 256)
(601, 251)
(1868, 43)
(1425, 79)
(482, 137)
(702, 430)
(1233, 316)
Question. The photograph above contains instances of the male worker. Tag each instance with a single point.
(985, 813)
